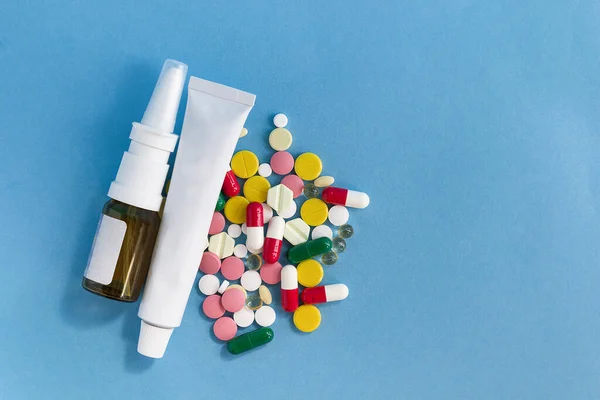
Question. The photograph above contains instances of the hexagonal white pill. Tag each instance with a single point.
(265, 170)
(321, 231)
(280, 120)
(234, 231)
(267, 213)
(265, 316)
(221, 244)
(338, 215)
(209, 284)
(296, 231)
(240, 251)
(324, 181)
(251, 280)
(244, 318)
(224, 286)
(289, 212)
(280, 198)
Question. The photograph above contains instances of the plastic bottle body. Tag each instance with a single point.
(139, 228)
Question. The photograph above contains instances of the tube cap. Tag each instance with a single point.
(153, 340)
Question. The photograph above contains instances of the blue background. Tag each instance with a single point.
(473, 125)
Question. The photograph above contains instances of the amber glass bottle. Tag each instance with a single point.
(140, 229)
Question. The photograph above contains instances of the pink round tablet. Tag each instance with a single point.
(210, 263)
(294, 183)
(212, 307)
(217, 224)
(232, 268)
(271, 273)
(233, 300)
(282, 163)
(225, 328)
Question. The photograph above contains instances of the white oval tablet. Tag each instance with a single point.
(244, 318)
(223, 287)
(240, 251)
(265, 316)
(280, 120)
(338, 215)
(234, 231)
(251, 280)
(265, 170)
(209, 284)
(321, 231)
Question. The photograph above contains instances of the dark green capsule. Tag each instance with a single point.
(250, 340)
(220, 202)
(309, 249)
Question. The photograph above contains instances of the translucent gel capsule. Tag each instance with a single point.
(250, 340)
(346, 231)
(329, 258)
(254, 302)
(339, 244)
(311, 191)
(220, 203)
(253, 262)
(309, 249)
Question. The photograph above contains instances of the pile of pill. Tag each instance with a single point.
(248, 204)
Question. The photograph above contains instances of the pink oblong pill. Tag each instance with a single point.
(233, 300)
(212, 307)
(210, 264)
(217, 224)
(294, 183)
(225, 328)
(232, 268)
(282, 162)
(271, 273)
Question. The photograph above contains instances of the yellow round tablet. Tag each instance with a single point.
(244, 164)
(235, 209)
(308, 166)
(280, 139)
(256, 189)
(314, 212)
(307, 318)
(310, 273)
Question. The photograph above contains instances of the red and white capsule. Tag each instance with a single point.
(231, 187)
(274, 240)
(324, 294)
(289, 288)
(255, 226)
(345, 197)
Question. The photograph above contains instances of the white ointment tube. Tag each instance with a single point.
(214, 117)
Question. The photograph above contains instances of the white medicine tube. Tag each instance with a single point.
(214, 117)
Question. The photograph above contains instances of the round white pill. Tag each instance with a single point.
(251, 280)
(224, 286)
(265, 316)
(244, 132)
(321, 231)
(240, 251)
(244, 318)
(209, 284)
(289, 212)
(338, 215)
(244, 229)
(280, 120)
(267, 213)
(265, 170)
(234, 231)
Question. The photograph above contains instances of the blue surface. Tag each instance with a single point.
(473, 125)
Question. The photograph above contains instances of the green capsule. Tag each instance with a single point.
(250, 340)
(309, 249)
(220, 202)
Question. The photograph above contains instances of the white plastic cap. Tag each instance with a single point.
(153, 340)
(161, 112)
(144, 166)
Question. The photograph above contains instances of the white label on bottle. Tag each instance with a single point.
(105, 250)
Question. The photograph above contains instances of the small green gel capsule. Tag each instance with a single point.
(250, 340)
(311, 191)
(220, 202)
(329, 258)
(309, 249)
(339, 244)
(346, 231)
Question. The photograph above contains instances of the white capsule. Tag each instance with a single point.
(224, 286)
(357, 199)
(289, 278)
(267, 213)
(276, 228)
(336, 292)
(255, 237)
